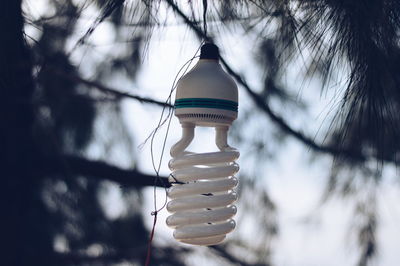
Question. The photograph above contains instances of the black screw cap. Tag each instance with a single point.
(209, 51)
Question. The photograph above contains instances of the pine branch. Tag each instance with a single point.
(108, 90)
(74, 165)
(262, 105)
(221, 250)
(283, 125)
(138, 253)
(163, 255)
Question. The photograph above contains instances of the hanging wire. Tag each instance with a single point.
(205, 5)
(151, 137)
(161, 122)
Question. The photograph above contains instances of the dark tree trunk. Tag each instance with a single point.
(25, 234)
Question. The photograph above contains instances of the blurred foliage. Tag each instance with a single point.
(71, 117)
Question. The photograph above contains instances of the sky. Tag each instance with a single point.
(310, 233)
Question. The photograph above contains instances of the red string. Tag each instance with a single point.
(148, 256)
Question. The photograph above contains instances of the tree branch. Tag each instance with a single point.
(70, 164)
(108, 90)
(262, 105)
(221, 250)
(166, 255)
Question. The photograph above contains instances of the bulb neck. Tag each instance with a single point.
(221, 138)
(186, 139)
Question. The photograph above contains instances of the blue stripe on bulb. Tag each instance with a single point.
(206, 103)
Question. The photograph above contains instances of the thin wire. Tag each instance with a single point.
(152, 135)
(205, 5)
(161, 122)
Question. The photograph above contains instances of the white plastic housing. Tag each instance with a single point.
(207, 80)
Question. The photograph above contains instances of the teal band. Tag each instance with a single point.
(206, 103)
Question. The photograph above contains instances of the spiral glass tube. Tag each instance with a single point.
(202, 190)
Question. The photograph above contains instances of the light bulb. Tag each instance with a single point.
(202, 191)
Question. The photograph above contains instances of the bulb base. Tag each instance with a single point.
(207, 95)
(209, 51)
